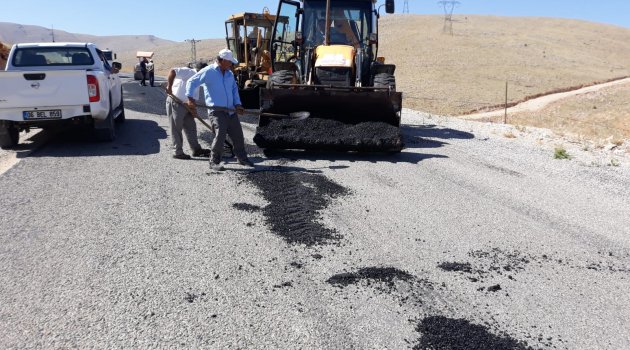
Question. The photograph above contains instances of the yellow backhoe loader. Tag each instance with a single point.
(325, 61)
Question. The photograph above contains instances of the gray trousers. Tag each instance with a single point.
(181, 119)
(224, 125)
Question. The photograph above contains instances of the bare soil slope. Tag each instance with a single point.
(445, 74)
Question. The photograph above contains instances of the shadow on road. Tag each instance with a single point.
(402, 157)
(424, 136)
(134, 137)
(145, 99)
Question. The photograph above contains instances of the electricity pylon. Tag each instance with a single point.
(448, 5)
(193, 49)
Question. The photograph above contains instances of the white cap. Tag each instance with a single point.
(226, 54)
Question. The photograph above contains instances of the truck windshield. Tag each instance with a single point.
(52, 56)
(350, 22)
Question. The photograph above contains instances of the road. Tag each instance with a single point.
(538, 103)
(461, 241)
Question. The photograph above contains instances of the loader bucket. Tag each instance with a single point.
(363, 120)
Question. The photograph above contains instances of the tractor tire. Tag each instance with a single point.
(284, 76)
(9, 137)
(385, 80)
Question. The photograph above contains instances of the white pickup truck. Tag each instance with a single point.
(46, 85)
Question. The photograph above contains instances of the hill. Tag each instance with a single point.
(18, 33)
(445, 74)
(167, 53)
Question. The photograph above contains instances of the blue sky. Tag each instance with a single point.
(172, 20)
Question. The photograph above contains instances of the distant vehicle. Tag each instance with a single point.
(110, 56)
(50, 84)
(137, 71)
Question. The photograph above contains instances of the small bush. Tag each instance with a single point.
(561, 153)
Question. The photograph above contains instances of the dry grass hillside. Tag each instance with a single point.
(446, 74)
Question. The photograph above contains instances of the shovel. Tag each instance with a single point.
(294, 115)
(194, 114)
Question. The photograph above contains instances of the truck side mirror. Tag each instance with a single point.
(390, 6)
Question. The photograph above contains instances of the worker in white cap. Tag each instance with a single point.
(221, 92)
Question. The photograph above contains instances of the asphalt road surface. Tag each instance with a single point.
(458, 242)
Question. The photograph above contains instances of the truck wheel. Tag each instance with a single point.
(121, 117)
(9, 137)
(106, 131)
(385, 80)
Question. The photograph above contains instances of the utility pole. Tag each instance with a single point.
(406, 7)
(193, 49)
(52, 32)
(448, 5)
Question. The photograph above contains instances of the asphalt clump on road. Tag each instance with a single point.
(439, 332)
(456, 266)
(295, 200)
(386, 275)
(246, 207)
(329, 134)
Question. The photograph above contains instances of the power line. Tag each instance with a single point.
(193, 49)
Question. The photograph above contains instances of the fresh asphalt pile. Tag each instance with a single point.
(328, 134)
(439, 332)
(295, 197)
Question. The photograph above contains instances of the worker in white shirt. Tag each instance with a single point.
(151, 72)
(179, 116)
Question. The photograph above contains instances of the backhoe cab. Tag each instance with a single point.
(324, 60)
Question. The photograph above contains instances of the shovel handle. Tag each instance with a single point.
(225, 109)
(190, 110)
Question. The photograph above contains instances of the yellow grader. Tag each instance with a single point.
(325, 61)
(248, 36)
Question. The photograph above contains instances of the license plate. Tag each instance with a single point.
(51, 114)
